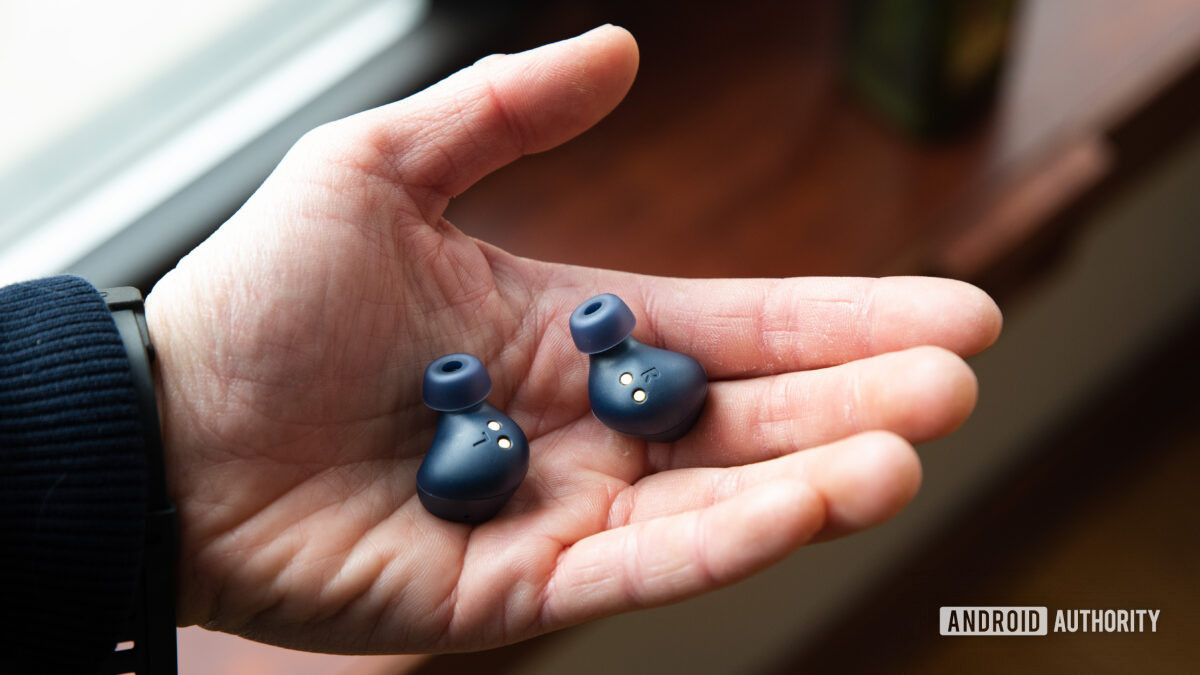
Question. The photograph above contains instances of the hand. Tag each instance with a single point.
(292, 345)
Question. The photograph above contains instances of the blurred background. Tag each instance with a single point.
(1047, 150)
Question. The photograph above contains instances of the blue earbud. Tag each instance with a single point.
(479, 456)
(636, 389)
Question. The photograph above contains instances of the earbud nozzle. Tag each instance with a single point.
(455, 382)
(601, 322)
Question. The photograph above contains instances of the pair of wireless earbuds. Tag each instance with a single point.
(479, 456)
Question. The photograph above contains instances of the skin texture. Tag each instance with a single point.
(292, 344)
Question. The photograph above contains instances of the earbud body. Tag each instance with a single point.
(479, 455)
(643, 391)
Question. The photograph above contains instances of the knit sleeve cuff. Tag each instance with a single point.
(72, 476)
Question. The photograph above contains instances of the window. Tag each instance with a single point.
(130, 127)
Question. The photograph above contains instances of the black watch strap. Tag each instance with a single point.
(147, 642)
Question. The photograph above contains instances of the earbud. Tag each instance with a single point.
(479, 455)
(636, 389)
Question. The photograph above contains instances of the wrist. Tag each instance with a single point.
(164, 372)
(182, 385)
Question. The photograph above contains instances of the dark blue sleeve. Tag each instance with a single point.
(73, 472)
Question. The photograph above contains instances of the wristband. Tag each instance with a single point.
(151, 627)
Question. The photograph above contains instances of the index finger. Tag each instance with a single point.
(752, 327)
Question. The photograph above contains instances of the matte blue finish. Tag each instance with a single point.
(455, 382)
(675, 385)
(466, 476)
(600, 323)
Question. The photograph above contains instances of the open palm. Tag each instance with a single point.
(292, 345)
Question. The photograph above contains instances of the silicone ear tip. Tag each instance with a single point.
(601, 322)
(455, 382)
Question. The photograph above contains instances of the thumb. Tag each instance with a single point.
(440, 141)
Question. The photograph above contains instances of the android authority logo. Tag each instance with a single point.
(964, 621)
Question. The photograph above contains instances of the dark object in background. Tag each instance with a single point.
(930, 66)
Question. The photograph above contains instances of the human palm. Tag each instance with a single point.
(292, 345)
